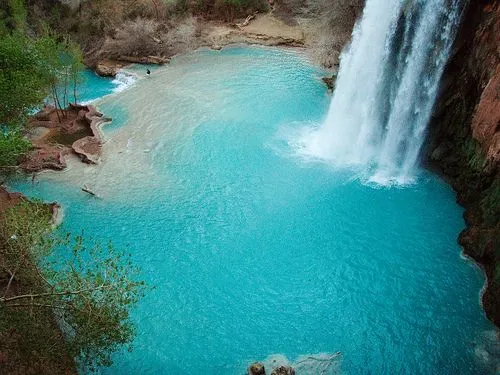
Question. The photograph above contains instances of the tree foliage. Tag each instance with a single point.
(24, 77)
(31, 70)
(90, 287)
(13, 146)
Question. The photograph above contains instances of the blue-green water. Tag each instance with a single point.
(254, 251)
(91, 86)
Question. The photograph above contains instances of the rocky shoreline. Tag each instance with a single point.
(463, 144)
(57, 133)
(263, 29)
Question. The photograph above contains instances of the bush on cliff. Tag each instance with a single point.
(88, 287)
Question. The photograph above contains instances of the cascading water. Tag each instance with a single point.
(386, 87)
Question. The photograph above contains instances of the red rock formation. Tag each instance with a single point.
(464, 139)
(45, 157)
(81, 122)
(486, 120)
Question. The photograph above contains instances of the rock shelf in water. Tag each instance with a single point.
(55, 134)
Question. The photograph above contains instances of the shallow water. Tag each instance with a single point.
(254, 251)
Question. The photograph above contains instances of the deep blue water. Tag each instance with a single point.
(254, 251)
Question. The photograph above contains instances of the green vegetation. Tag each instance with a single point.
(23, 77)
(53, 308)
(31, 70)
(89, 287)
(473, 154)
(490, 204)
(13, 146)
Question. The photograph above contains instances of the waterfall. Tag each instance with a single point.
(386, 87)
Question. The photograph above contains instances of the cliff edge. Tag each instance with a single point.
(464, 139)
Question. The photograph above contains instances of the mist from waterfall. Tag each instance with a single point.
(386, 87)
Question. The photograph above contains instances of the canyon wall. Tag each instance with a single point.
(464, 139)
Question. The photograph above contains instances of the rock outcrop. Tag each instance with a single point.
(55, 134)
(464, 139)
(110, 67)
(154, 60)
(107, 68)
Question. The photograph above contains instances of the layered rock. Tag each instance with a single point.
(55, 134)
(464, 139)
(110, 67)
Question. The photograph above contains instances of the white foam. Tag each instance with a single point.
(123, 80)
(386, 88)
(306, 364)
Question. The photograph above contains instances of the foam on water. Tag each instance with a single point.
(255, 252)
(93, 87)
(386, 88)
(123, 80)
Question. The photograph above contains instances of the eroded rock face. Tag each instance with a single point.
(486, 119)
(156, 60)
(464, 139)
(45, 157)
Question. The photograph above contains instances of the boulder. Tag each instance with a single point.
(256, 368)
(106, 69)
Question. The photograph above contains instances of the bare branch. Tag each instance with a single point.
(65, 293)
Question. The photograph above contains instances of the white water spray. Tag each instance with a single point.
(386, 87)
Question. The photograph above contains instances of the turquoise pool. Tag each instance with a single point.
(255, 251)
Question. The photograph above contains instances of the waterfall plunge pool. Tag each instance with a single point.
(254, 251)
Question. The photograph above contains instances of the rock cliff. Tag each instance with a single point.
(464, 139)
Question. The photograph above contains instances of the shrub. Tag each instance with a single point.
(13, 146)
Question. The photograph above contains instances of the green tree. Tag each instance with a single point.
(89, 287)
(23, 78)
(13, 146)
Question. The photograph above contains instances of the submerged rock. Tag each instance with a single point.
(283, 370)
(256, 368)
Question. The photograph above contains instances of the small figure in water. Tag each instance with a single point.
(148, 72)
